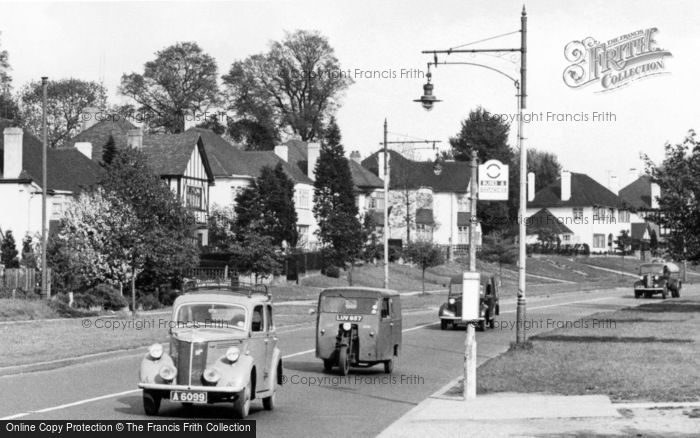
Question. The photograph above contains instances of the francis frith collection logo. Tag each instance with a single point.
(615, 63)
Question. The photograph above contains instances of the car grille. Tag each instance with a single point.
(647, 279)
(191, 362)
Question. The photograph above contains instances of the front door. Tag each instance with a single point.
(271, 344)
(258, 346)
(386, 326)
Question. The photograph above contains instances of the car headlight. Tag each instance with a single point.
(232, 354)
(347, 326)
(168, 372)
(451, 301)
(656, 277)
(211, 375)
(155, 351)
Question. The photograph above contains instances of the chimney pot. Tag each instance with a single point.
(355, 156)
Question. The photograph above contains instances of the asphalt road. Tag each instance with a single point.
(311, 403)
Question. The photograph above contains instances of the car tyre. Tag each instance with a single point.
(492, 323)
(343, 361)
(482, 325)
(151, 403)
(328, 365)
(637, 294)
(389, 366)
(241, 407)
(443, 324)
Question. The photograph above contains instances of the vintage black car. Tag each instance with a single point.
(359, 327)
(223, 348)
(450, 313)
(658, 278)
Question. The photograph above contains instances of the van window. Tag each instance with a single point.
(385, 308)
(270, 324)
(258, 322)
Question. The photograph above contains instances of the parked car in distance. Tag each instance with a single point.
(223, 348)
(359, 327)
(450, 313)
(658, 277)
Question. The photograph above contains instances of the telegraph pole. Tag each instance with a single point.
(44, 268)
(386, 210)
(470, 341)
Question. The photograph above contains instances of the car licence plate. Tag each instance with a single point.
(188, 396)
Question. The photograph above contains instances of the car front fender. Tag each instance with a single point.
(237, 373)
(150, 368)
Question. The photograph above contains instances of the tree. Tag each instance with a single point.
(181, 80)
(8, 105)
(293, 88)
(425, 254)
(624, 241)
(109, 151)
(487, 135)
(66, 100)
(8, 251)
(545, 166)
(335, 210)
(28, 255)
(213, 124)
(255, 254)
(221, 225)
(679, 203)
(165, 225)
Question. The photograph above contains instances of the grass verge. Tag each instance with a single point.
(638, 353)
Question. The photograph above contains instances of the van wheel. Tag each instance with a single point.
(343, 361)
(151, 403)
(492, 323)
(443, 324)
(481, 326)
(328, 365)
(270, 402)
(389, 366)
(241, 407)
(637, 294)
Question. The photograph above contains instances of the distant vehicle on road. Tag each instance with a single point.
(223, 348)
(659, 277)
(450, 313)
(359, 327)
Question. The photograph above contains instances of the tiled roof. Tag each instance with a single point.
(66, 169)
(638, 229)
(409, 174)
(545, 220)
(637, 194)
(168, 154)
(98, 134)
(585, 192)
(363, 178)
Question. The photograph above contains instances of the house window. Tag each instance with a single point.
(235, 191)
(375, 201)
(194, 197)
(462, 235)
(302, 199)
(303, 231)
(424, 232)
(624, 216)
(566, 238)
(599, 241)
(56, 210)
(578, 213)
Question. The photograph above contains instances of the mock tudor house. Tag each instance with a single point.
(426, 205)
(641, 196)
(21, 183)
(591, 213)
(179, 159)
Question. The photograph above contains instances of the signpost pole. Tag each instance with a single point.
(469, 278)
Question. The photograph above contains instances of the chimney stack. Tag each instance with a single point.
(355, 156)
(565, 185)
(85, 148)
(282, 151)
(613, 183)
(134, 138)
(655, 195)
(89, 117)
(313, 153)
(530, 186)
(12, 155)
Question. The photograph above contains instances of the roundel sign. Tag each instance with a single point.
(493, 181)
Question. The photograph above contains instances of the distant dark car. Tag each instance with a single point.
(655, 278)
(451, 312)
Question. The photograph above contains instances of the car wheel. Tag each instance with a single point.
(637, 294)
(344, 361)
(443, 324)
(241, 407)
(492, 322)
(389, 366)
(328, 365)
(482, 325)
(151, 403)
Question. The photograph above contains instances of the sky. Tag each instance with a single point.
(376, 40)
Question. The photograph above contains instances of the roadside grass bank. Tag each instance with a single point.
(644, 353)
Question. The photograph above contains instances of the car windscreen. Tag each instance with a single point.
(337, 304)
(651, 269)
(211, 315)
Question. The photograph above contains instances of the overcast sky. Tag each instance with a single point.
(105, 39)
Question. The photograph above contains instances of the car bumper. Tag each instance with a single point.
(210, 389)
(649, 289)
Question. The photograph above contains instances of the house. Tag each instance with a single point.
(21, 185)
(426, 204)
(235, 169)
(545, 223)
(594, 214)
(641, 197)
(179, 159)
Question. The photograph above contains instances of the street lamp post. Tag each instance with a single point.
(428, 99)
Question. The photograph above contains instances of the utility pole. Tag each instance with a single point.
(386, 211)
(45, 188)
(521, 303)
(469, 389)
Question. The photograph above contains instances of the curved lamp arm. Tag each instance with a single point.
(475, 64)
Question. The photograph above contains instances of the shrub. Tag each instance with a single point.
(64, 311)
(332, 271)
(167, 296)
(148, 302)
(108, 297)
(85, 301)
